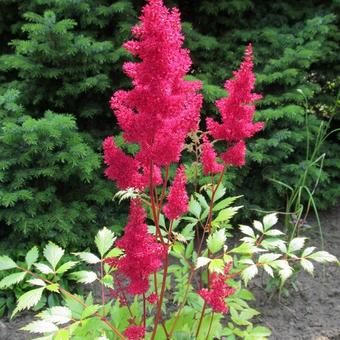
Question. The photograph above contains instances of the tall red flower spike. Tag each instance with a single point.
(237, 112)
(162, 108)
(143, 255)
(208, 158)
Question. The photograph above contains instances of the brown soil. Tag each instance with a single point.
(311, 312)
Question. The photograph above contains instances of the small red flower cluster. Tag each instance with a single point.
(177, 198)
(237, 111)
(143, 254)
(135, 332)
(219, 290)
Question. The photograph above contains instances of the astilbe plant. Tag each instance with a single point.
(173, 251)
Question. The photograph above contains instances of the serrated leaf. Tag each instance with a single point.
(268, 270)
(58, 315)
(37, 282)
(260, 332)
(307, 266)
(269, 221)
(195, 207)
(7, 263)
(245, 248)
(296, 244)
(45, 269)
(53, 254)
(215, 241)
(12, 279)
(32, 257)
(88, 257)
(323, 257)
(202, 261)
(83, 276)
(66, 266)
(274, 232)
(307, 251)
(249, 273)
(104, 241)
(258, 225)
(225, 203)
(115, 252)
(90, 310)
(268, 258)
(28, 300)
(53, 287)
(107, 280)
(247, 230)
(226, 214)
(217, 266)
(40, 326)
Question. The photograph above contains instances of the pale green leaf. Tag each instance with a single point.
(66, 266)
(58, 315)
(28, 300)
(195, 207)
(323, 257)
(40, 326)
(216, 241)
(249, 273)
(225, 203)
(36, 282)
(247, 230)
(88, 257)
(307, 251)
(268, 269)
(268, 258)
(90, 310)
(53, 254)
(258, 225)
(32, 257)
(296, 244)
(53, 287)
(202, 261)
(45, 269)
(7, 263)
(274, 232)
(307, 265)
(217, 266)
(104, 241)
(226, 214)
(269, 221)
(12, 279)
(83, 276)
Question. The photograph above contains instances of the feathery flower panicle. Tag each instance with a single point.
(237, 112)
(218, 291)
(177, 198)
(208, 158)
(135, 332)
(162, 108)
(143, 255)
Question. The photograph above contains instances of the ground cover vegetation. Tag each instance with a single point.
(176, 247)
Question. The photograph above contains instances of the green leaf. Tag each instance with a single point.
(104, 241)
(216, 265)
(32, 257)
(58, 315)
(307, 251)
(53, 254)
(83, 276)
(249, 273)
(268, 258)
(195, 207)
(12, 279)
(28, 300)
(53, 287)
(323, 257)
(40, 326)
(225, 203)
(88, 257)
(307, 266)
(45, 269)
(216, 241)
(260, 331)
(115, 252)
(202, 261)
(66, 266)
(274, 232)
(36, 282)
(107, 280)
(226, 214)
(269, 221)
(296, 244)
(7, 263)
(247, 230)
(258, 225)
(90, 310)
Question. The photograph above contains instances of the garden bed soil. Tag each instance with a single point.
(311, 312)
